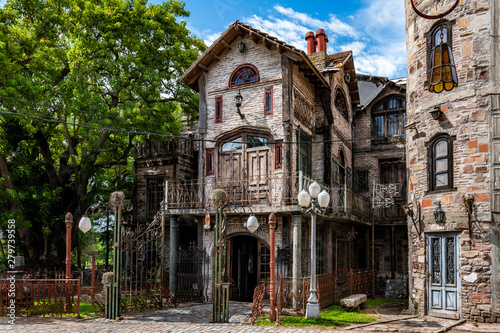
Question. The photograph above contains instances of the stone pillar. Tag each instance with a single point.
(297, 254)
(174, 247)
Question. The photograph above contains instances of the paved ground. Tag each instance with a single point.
(196, 319)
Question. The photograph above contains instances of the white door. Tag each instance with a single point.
(444, 284)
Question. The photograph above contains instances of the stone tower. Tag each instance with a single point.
(453, 158)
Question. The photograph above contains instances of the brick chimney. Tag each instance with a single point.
(321, 39)
(311, 42)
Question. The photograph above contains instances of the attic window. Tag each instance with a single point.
(244, 74)
(340, 103)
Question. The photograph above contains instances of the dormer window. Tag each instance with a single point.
(244, 74)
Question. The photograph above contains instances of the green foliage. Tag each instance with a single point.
(78, 65)
(332, 316)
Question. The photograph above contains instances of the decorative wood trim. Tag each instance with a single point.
(278, 155)
(226, 44)
(218, 109)
(268, 101)
(210, 162)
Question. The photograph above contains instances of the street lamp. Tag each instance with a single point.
(313, 198)
(252, 223)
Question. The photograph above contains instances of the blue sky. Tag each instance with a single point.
(373, 29)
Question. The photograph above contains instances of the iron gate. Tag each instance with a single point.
(143, 282)
(193, 273)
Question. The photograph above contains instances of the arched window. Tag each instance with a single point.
(389, 119)
(341, 104)
(244, 74)
(441, 163)
(441, 66)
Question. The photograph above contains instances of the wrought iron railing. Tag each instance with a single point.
(276, 189)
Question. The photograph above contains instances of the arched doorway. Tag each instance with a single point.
(248, 266)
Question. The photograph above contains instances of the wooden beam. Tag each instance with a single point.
(225, 44)
(214, 55)
(254, 37)
(240, 31)
(267, 43)
(203, 67)
(281, 49)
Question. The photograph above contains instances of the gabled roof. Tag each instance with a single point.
(371, 86)
(238, 29)
(345, 59)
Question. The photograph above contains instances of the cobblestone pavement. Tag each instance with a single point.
(196, 319)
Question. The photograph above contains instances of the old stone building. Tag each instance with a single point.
(452, 147)
(379, 158)
(273, 119)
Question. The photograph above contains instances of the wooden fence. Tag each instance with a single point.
(331, 288)
(39, 297)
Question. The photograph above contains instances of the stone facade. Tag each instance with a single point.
(468, 121)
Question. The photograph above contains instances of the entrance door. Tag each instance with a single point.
(248, 266)
(443, 276)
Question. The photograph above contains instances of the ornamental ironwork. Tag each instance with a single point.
(303, 110)
(436, 261)
(450, 260)
(244, 74)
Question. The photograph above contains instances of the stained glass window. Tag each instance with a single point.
(244, 74)
(341, 104)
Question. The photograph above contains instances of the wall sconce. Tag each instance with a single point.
(436, 113)
(469, 207)
(347, 78)
(241, 46)
(239, 99)
(439, 214)
(417, 220)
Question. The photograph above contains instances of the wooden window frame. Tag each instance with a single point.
(210, 162)
(432, 162)
(268, 108)
(159, 190)
(218, 109)
(278, 155)
(238, 70)
(387, 111)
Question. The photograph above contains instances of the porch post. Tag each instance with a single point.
(174, 247)
(297, 251)
(272, 267)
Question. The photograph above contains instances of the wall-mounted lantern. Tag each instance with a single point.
(436, 113)
(439, 214)
(239, 100)
(417, 220)
(241, 46)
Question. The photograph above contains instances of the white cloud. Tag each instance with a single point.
(375, 34)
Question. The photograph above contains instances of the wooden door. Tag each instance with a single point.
(258, 169)
(231, 172)
(443, 293)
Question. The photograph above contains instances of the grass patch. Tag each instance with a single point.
(332, 316)
(371, 303)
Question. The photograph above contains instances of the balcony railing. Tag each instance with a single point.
(277, 189)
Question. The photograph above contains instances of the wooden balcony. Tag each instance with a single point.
(276, 192)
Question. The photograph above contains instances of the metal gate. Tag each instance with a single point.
(193, 274)
(143, 282)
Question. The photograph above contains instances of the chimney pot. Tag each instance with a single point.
(322, 39)
(311, 42)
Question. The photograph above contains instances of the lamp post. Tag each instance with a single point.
(68, 219)
(272, 264)
(313, 198)
(85, 223)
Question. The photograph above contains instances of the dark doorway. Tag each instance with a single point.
(244, 259)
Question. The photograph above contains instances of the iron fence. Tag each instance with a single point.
(39, 297)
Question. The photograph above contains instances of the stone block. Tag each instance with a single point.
(353, 300)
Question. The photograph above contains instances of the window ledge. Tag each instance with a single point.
(444, 190)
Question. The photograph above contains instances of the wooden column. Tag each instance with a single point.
(69, 224)
(272, 267)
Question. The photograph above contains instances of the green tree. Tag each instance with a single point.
(77, 65)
